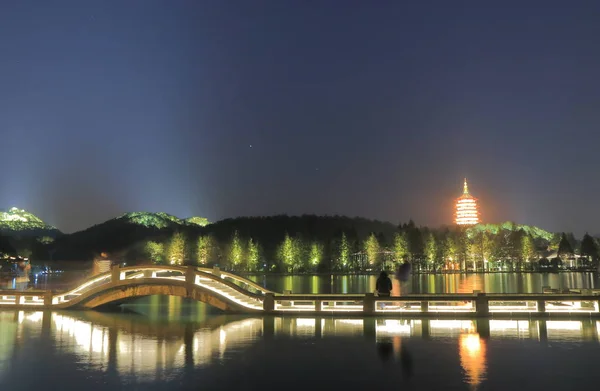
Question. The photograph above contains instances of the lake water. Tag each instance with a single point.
(165, 343)
(174, 344)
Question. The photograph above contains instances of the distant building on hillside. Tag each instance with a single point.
(467, 210)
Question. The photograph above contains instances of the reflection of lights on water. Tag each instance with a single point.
(89, 338)
(472, 343)
(501, 325)
(510, 328)
(300, 322)
(472, 352)
(390, 326)
(208, 342)
(353, 322)
(35, 317)
(566, 325)
(306, 327)
(464, 325)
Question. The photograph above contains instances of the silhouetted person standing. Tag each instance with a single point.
(383, 285)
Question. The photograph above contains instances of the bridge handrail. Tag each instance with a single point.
(204, 272)
(88, 284)
(358, 297)
(181, 269)
(229, 284)
(155, 281)
(237, 278)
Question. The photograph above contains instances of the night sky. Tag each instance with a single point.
(363, 108)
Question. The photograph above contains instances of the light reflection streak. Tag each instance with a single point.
(472, 351)
(510, 328)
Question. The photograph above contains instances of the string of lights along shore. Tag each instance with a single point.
(467, 210)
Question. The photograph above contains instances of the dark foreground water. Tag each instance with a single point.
(176, 344)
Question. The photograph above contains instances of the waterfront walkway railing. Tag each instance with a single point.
(244, 295)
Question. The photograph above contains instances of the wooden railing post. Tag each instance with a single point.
(424, 306)
(369, 304)
(482, 305)
(269, 302)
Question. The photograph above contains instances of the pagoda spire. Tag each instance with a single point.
(465, 188)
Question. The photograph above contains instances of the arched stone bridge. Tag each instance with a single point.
(220, 289)
(232, 293)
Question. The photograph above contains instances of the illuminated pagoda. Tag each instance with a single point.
(467, 212)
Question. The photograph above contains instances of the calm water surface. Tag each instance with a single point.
(177, 344)
(433, 283)
(160, 343)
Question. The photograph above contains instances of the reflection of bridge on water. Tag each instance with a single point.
(148, 350)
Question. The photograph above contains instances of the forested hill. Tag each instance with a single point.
(272, 229)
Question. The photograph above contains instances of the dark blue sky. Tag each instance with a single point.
(370, 108)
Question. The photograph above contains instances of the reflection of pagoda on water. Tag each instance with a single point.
(472, 352)
(467, 211)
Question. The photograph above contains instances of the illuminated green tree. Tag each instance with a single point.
(431, 248)
(205, 250)
(288, 253)
(372, 249)
(253, 255)
(315, 255)
(176, 249)
(400, 246)
(449, 248)
(554, 241)
(462, 244)
(481, 247)
(527, 248)
(236, 251)
(343, 252)
(155, 251)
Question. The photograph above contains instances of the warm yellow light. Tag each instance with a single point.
(472, 351)
(467, 212)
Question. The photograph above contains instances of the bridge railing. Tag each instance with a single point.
(238, 280)
(476, 304)
(31, 298)
(101, 279)
(227, 285)
(186, 275)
